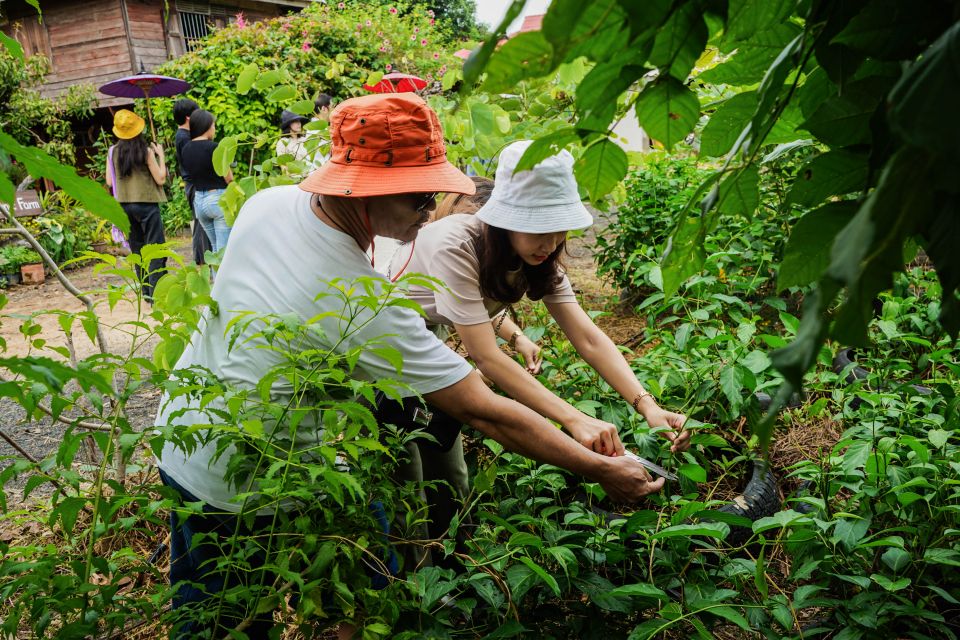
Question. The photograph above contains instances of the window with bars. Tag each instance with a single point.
(193, 26)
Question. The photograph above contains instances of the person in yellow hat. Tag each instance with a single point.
(136, 172)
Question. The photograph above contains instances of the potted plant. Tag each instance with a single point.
(31, 267)
(7, 274)
(23, 265)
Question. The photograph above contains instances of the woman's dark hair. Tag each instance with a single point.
(131, 154)
(323, 100)
(462, 203)
(497, 258)
(200, 121)
(182, 109)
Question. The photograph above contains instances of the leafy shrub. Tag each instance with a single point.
(656, 192)
(324, 48)
(30, 118)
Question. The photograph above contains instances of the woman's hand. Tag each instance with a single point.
(157, 149)
(659, 417)
(596, 435)
(530, 351)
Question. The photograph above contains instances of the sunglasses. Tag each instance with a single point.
(423, 200)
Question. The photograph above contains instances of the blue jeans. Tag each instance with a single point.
(210, 216)
(194, 567)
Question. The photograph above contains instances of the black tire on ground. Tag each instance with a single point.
(760, 498)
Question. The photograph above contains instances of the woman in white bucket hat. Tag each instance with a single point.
(509, 249)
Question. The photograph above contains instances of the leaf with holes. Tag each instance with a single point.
(667, 110)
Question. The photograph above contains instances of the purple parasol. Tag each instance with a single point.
(145, 85)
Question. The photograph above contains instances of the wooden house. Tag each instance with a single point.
(95, 41)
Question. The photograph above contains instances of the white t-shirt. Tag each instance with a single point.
(296, 148)
(280, 256)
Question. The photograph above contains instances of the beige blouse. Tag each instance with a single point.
(446, 250)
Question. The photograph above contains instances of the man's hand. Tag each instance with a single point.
(658, 417)
(596, 435)
(627, 481)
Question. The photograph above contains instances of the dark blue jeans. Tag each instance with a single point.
(197, 546)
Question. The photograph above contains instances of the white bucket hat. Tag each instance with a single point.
(544, 199)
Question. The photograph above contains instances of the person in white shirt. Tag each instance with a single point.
(294, 137)
(288, 243)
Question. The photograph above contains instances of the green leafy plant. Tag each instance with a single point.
(874, 98)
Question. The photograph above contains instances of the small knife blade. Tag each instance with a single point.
(652, 466)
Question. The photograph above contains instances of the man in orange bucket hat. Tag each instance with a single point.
(388, 163)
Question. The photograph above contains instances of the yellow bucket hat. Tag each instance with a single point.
(127, 124)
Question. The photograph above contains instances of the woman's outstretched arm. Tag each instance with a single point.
(602, 354)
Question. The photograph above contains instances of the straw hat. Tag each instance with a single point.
(544, 199)
(127, 124)
(385, 144)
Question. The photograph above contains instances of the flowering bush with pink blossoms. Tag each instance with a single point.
(330, 48)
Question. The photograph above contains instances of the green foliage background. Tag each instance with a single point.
(322, 49)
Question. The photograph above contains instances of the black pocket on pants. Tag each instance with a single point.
(410, 415)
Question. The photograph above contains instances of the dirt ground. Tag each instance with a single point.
(38, 438)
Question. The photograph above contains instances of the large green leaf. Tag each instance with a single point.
(7, 189)
(815, 90)
(12, 46)
(224, 154)
(597, 94)
(844, 119)
(709, 529)
(680, 41)
(746, 18)
(829, 174)
(482, 117)
(726, 123)
(869, 249)
(246, 78)
(546, 146)
(808, 251)
(752, 57)
(282, 93)
(91, 195)
(770, 90)
(479, 58)
(595, 29)
(740, 192)
(667, 110)
(684, 255)
(267, 79)
(601, 167)
(523, 56)
(894, 29)
(926, 97)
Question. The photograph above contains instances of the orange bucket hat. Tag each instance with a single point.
(386, 144)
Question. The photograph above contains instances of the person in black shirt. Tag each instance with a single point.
(197, 158)
(181, 115)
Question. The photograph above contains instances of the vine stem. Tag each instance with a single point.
(23, 232)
